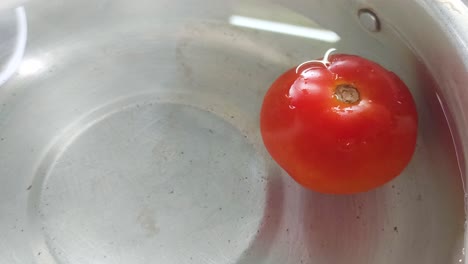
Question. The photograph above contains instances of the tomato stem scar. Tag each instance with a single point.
(324, 61)
(347, 93)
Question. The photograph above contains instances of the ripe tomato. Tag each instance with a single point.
(340, 125)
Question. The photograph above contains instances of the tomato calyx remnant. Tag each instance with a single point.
(323, 61)
(347, 93)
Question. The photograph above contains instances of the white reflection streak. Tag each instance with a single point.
(15, 60)
(283, 28)
(30, 66)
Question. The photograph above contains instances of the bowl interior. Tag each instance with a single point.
(130, 135)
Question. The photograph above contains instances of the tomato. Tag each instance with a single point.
(340, 125)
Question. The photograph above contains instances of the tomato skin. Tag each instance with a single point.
(332, 146)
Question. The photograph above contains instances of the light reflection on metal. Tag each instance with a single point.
(283, 28)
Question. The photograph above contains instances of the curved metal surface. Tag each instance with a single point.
(14, 31)
(129, 134)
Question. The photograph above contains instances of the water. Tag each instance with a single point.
(124, 54)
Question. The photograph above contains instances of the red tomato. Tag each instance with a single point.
(341, 125)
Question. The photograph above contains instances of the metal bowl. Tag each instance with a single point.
(129, 133)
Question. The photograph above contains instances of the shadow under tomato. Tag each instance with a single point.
(340, 228)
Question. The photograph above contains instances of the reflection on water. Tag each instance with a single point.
(283, 28)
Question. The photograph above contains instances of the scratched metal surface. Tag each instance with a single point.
(129, 134)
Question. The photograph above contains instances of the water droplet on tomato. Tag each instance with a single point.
(292, 107)
(346, 145)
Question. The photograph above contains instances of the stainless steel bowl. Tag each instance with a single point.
(129, 133)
